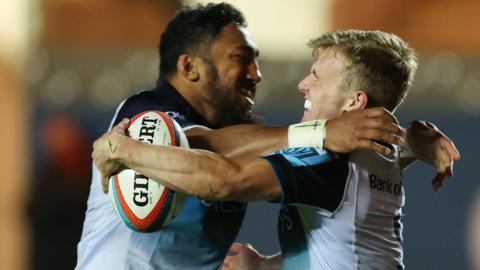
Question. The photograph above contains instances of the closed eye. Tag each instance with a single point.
(246, 53)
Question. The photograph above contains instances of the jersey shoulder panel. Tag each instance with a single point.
(150, 100)
(311, 176)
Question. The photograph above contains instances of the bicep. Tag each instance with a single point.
(199, 137)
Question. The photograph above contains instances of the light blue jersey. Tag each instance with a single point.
(340, 213)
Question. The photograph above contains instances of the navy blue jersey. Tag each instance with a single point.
(198, 238)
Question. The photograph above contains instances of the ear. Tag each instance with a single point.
(358, 101)
(187, 67)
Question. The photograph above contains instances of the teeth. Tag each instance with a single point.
(308, 105)
(250, 100)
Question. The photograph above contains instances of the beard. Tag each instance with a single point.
(229, 106)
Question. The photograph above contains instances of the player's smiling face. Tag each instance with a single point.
(233, 74)
(324, 97)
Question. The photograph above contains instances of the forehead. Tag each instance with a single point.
(330, 58)
(233, 38)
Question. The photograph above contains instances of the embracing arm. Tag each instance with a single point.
(352, 131)
(239, 140)
(200, 173)
(355, 130)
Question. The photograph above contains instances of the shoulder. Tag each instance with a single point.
(143, 101)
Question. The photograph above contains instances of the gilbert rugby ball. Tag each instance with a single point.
(143, 204)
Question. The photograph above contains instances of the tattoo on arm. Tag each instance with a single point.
(113, 148)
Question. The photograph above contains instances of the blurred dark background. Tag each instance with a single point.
(65, 65)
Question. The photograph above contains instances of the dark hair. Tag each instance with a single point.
(193, 30)
(381, 64)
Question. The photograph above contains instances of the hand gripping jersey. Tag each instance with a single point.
(342, 213)
(198, 238)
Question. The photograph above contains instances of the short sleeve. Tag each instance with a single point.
(310, 176)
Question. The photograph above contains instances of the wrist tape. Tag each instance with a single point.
(307, 134)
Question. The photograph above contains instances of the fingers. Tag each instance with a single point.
(385, 125)
(362, 129)
(444, 160)
(371, 145)
(105, 180)
(438, 181)
(235, 248)
(380, 112)
(449, 171)
(449, 146)
(381, 135)
(444, 169)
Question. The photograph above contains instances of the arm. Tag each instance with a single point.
(239, 140)
(200, 173)
(351, 131)
(305, 175)
(245, 257)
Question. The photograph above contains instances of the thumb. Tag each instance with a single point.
(122, 126)
(124, 123)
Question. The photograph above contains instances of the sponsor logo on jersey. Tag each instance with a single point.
(385, 185)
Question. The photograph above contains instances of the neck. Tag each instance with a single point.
(196, 97)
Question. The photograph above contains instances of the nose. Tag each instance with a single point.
(303, 85)
(254, 73)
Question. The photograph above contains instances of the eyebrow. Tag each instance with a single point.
(250, 49)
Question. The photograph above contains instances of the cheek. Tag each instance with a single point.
(325, 107)
(323, 112)
(228, 80)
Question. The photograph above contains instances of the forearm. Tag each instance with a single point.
(196, 172)
(200, 173)
(240, 140)
(355, 130)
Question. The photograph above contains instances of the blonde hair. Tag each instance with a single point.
(381, 64)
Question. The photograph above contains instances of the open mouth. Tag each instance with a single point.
(249, 94)
(307, 106)
(250, 100)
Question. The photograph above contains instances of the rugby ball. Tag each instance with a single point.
(143, 204)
